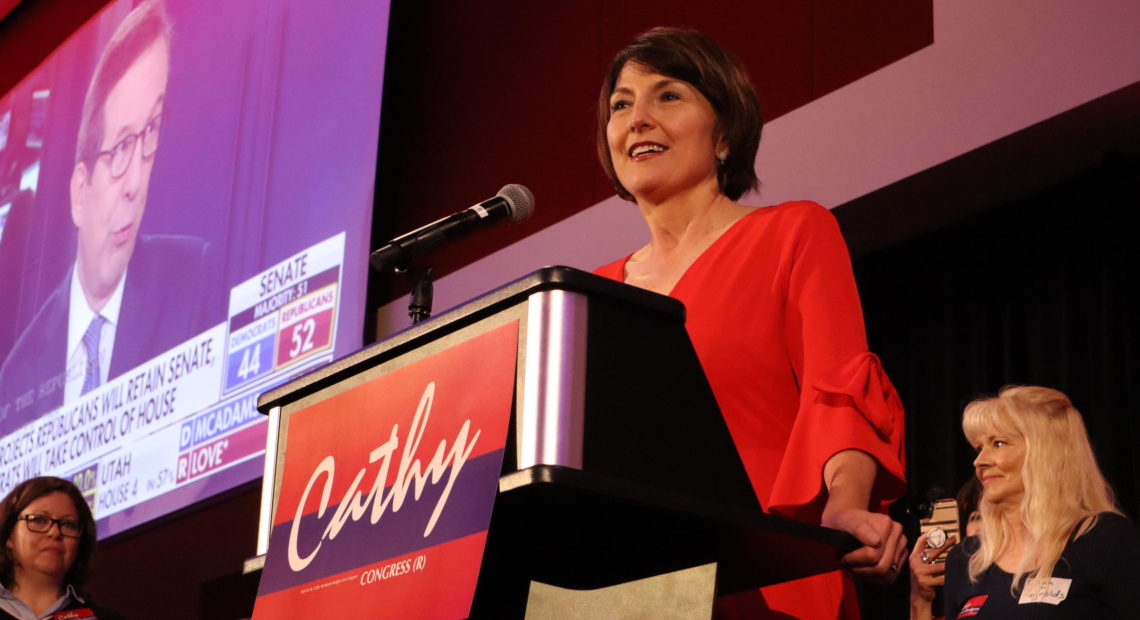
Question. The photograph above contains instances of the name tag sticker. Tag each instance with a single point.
(1052, 592)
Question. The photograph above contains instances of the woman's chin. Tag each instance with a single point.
(55, 568)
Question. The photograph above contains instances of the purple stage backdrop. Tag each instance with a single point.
(249, 257)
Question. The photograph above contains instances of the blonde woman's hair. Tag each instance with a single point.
(1063, 485)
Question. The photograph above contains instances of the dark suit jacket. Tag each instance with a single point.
(167, 299)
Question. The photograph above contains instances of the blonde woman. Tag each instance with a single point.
(1053, 544)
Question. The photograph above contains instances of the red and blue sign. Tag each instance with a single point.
(388, 487)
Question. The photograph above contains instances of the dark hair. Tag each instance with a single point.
(695, 58)
(29, 491)
(968, 497)
(146, 25)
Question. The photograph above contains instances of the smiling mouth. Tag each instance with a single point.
(642, 149)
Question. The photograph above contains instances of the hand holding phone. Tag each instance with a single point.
(940, 527)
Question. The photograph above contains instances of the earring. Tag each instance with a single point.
(722, 157)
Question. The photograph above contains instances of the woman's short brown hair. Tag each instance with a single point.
(695, 58)
(29, 491)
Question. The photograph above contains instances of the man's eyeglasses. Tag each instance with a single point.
(42, 523)
(123, 151)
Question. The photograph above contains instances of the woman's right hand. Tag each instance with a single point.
(926, 574)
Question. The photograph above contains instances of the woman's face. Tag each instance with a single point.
(660, 134)
(998, 467)
(48, 553)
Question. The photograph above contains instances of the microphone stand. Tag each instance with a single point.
(419, 308)
(513, 201)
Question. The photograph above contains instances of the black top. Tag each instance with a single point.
(1098, 576)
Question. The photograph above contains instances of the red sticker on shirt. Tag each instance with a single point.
(973, 606)
(74, 614)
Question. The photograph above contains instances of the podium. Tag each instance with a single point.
(618, 465)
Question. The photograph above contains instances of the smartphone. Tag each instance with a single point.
(944, 516)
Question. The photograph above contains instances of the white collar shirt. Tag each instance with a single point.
(79, 318)
(19, 610)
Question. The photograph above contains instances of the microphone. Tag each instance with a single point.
(514, 201)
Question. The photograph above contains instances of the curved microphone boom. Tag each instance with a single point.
(514, 201)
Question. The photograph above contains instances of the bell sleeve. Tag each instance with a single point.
(846, 399)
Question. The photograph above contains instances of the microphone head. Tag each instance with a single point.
(520, 199)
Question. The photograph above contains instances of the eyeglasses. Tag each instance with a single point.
(41, 524)
(123, 151)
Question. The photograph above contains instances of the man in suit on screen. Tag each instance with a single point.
(128, 297)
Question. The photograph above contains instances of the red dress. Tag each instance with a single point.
(774, 315)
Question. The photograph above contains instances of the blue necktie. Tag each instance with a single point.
(91, 346)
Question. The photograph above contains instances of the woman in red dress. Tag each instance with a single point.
(771, 304)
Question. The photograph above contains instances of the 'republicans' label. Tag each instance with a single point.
(285, 314)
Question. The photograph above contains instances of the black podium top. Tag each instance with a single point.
(453, 319)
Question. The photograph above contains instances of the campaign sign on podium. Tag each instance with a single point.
(388, 488)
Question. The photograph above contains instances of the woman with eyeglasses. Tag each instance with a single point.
(49, 535)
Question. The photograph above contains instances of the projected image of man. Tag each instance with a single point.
(129, 296)
(108, 198)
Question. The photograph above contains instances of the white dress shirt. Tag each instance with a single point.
(79, 318)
